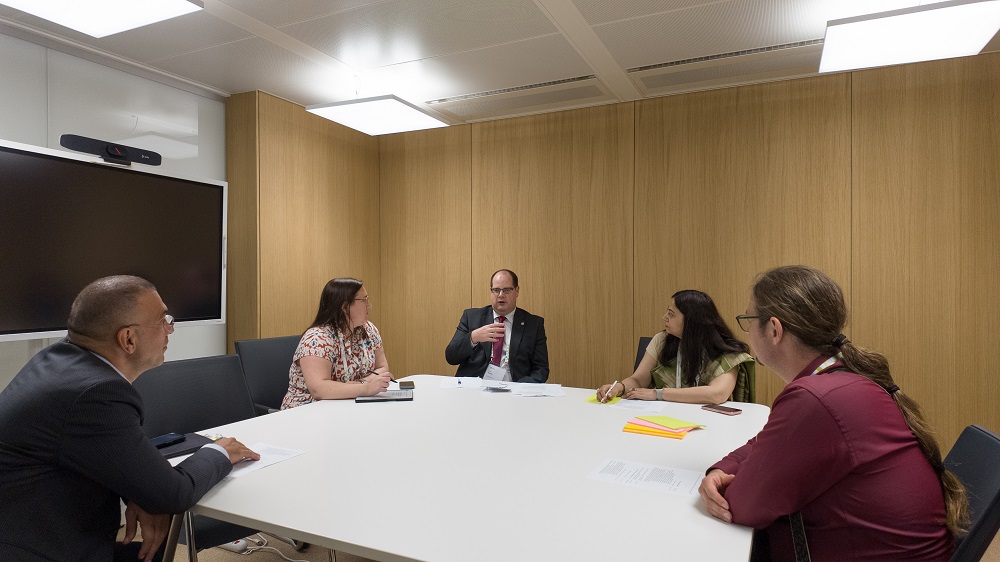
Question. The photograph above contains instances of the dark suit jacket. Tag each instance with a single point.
(71, 445)
(529, 356)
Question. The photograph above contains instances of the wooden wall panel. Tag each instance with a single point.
(552, 200)
(318, 213)
(425, 193)
(926, 209)
(732, 182)
(242, 281)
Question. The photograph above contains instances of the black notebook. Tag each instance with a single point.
(191, 443)
(388, 396)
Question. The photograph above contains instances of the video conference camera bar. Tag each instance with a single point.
(111, 152)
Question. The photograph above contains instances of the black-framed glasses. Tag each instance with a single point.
(744, 320)
(504, 290)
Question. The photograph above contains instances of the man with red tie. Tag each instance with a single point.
(500, 341)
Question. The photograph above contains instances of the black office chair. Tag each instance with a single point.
(974, 460)
(265, 364)
(643, 344)
(192, 395)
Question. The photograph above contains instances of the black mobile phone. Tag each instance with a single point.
(725, 410)
(166, 440)
(406, 385)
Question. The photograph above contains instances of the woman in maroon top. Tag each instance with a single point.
(844, 449)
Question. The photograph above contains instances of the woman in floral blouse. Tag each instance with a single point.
(340, 355)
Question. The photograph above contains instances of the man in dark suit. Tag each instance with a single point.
(71, 440)
(500, 341)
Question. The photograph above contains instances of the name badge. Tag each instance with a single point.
(495, 373)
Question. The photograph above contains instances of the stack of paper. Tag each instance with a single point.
(660, 426)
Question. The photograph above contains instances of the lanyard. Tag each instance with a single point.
(824, 365)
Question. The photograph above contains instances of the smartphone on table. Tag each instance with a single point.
(725, 410)
(166, 440)
(406, 385)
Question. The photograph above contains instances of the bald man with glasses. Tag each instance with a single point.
(71, 439)
(500, 341)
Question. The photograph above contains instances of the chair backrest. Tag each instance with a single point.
(643, 344)
(265, 364)
(194, 394)
(975, 459)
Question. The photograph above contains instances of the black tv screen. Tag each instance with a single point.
(66, 221)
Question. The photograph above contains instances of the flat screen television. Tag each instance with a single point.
(66, 220)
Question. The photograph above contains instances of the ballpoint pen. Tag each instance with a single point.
(605, 399)
(374, 372)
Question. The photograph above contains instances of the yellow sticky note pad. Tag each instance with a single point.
(669, 422)
(630, 428)
(593, 400)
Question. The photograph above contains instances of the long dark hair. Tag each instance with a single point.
(337, 297)
(811, 307)
(706, 335)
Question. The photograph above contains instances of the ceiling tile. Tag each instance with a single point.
(240, 66)
(602, 11)
(182, 34)
(406, 30)
(543, 59)
(176, 36)
(277, 14)
(725, 27)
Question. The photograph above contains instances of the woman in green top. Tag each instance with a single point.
(696, 358)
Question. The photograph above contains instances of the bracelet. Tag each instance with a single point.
(624, 390)
(659, 394)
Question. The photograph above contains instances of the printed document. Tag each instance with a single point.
(648, 477)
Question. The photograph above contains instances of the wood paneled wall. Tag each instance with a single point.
(732, 182)
(886, 179)
(426, 248)
(242, 267)
(926, 232)
(552, 201)
(316, 214)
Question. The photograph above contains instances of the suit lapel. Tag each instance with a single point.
(515, 336)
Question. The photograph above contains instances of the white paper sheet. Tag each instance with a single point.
(533, 389)
(651, 406)
(269, 454)
(648, 477)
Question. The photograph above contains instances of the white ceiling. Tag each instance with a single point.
(471, 59)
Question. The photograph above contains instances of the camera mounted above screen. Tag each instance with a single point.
(110, 151)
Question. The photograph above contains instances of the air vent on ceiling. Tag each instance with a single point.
(778, 62)
(557, 95)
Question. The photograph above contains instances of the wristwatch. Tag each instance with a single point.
(659, 394)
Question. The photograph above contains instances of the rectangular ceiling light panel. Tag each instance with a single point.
(100, 18)
(930, 32)
(380, 115)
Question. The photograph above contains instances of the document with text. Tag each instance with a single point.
(648, 477)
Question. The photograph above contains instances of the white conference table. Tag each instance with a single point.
(464, 474)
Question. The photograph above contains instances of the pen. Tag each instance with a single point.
(374, 372)
(605, 399)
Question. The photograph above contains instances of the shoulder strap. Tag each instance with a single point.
(799, 541)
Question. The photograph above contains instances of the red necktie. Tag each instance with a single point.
(498, 346)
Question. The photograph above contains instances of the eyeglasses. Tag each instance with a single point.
(744, 320)
(505, 290)
(166, 323)
(368, 302)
